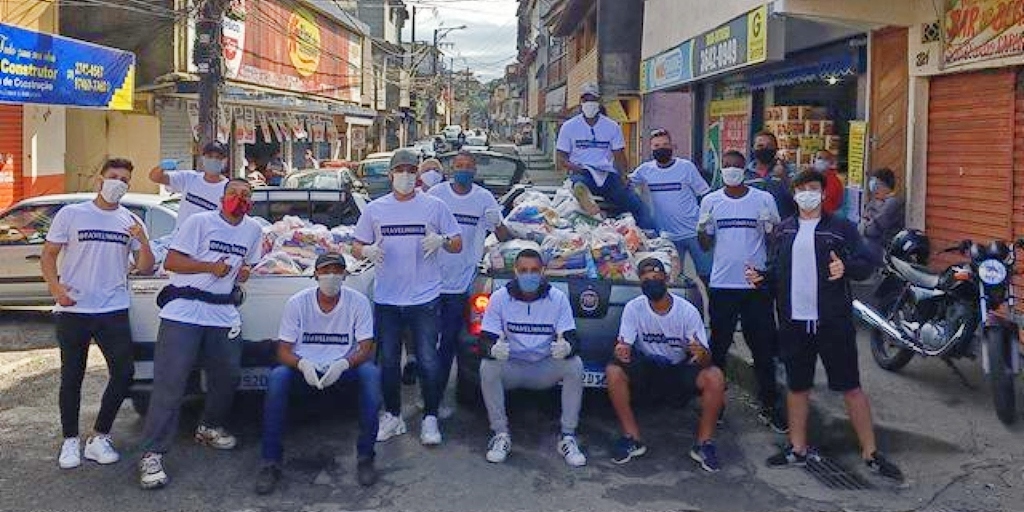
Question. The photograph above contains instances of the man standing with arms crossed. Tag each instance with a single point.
(210, 253)
(401, 233)
(91, 291)
(200, 191)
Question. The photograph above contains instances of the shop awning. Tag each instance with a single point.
(833, 66)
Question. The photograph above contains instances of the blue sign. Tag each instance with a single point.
(55, 70)
(669, 68)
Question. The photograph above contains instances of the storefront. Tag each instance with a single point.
(666, 102)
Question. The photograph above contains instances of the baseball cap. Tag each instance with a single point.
(650, 264)
(215, 147)
(590, 88)
(330, 258)
(404, 157)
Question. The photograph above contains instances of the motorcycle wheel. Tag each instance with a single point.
(888, 353)
(1000, 375)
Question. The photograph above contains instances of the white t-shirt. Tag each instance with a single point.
(665, 336)
(739, 236)
(326, 337)
(407, 277)
(674, 191)
(208, 237)
(94, 264)
(197, 194)
(529, 327)
(458, 270)
(591, 145)
(804, 285)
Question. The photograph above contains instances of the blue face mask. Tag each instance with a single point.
(873, 185)
(529, 283)
(464, 177)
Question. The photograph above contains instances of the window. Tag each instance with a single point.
(27, 224)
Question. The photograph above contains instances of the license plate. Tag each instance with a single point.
(249, 379)
(594, 379)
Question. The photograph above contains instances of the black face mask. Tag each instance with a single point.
(662, 155)
(765, 155)
(654, 289)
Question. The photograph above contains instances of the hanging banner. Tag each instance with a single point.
(855, 153)
(278, 131)
(317, 128)
(56, 70)
(238, 113)
(224, 125)
(358, 137)
(192, 107)
(264, 126)
(332, 131)
(250, 126)
(232, 38)
(978, 30)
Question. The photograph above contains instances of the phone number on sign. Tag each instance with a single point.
(719, 56)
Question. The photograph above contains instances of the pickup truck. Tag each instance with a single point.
(265, 296)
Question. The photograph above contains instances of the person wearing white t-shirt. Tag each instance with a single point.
(96, 239)
(663, 350)
(402, 233)
(736, 221)
(326, 338)
(675, 186)
(591, 149)
(477, 213)
(200, 190)
(210, 254)
(529, 337)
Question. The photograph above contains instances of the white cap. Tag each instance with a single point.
(591, 89)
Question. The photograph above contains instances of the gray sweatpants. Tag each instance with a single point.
(178, 345)
(498, 376)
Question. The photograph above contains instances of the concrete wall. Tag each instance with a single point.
(93, 136)
(672, 111)
(619, 29)
(667, 23)
(44, 144)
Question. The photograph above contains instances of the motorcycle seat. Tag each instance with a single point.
(916, 275)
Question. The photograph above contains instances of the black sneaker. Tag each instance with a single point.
(366, 474)
(775, 419)
(266, 480)
(788, 457)
(409, 373)
(882, 466)
(627, 449)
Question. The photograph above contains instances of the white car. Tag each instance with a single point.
(475, 144)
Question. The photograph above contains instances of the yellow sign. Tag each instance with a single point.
(757, 35)
(856, 152)
(304, 42)
(734, 107)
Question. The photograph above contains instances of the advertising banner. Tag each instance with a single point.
(978, 30)
(666, 69)
(741, 42)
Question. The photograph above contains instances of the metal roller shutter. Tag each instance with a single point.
(175, 132)
(11, 154)
(970, 158)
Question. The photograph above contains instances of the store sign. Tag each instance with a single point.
(304, 42)
(55, 70)
(669, 68)
(856, 153)
(978, 30)
(741, 42)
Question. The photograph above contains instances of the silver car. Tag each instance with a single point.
(23, 229)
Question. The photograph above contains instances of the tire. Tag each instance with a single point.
(1000, 375)
(888, 354)
(140, 402)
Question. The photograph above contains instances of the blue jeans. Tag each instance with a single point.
(702, 259)
(619, 194)
(451, 318)
(421, 320)
(286, 382)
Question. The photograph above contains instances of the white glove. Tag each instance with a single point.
(333, 373)
(431, 243)
(308, 370)
(373, 253)
(765, 219)
(493, 217)
(500, 350)
(704, 222)
(560, 349)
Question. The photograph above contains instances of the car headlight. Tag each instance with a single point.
(992, 272)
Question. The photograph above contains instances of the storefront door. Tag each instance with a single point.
(889, 102)
(11, 156)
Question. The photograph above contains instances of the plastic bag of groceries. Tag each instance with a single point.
(610, 253)
(626, 226)
(277, 263)
(501, 256)
(534, 197)
(532, 220)
(666, 251)
(566, 253)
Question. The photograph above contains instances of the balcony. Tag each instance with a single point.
(557, 72)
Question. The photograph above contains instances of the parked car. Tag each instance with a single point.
(425, 147)
(475, 144)
(505, 149)
(324, 179)
(451, 132)
(23, 229)
(496, 172)
(373, 170)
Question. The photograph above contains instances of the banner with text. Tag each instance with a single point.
(978, 30)
(741, 42)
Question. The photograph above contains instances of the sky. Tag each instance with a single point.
(488, 42)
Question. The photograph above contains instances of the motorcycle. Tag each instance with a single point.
(966, 309)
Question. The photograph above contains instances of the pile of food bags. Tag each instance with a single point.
(291, 246)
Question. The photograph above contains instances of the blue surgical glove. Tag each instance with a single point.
(169, 164)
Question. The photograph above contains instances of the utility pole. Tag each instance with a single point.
(432, 104)
(451, 90)
(208, 57)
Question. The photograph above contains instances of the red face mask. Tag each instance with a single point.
(236, 206)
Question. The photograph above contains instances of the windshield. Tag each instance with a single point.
(172, 204)
(476, 141)
(374, 168)
(489, 167)
(317, 180)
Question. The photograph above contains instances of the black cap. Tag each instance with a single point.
(649, 264)
(330, 258)
(215, 147)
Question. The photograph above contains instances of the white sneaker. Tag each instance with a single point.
(390, 426)
(429, 433)
(70, 453)
(499, 448)
(100, 449)
(215, 438)
(570, 450)
(151, 471)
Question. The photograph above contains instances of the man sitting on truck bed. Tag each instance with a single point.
(326, 337)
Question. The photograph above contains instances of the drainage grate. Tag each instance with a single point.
(834, 476)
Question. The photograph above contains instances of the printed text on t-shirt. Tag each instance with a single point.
(520, 328)
(404, 230)
(226, 248)
(98, 235)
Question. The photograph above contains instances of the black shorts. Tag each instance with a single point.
(800, 345)
(656, 382)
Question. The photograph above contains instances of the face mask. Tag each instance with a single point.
(590, 109)
(765, 155)
(820, 165)
(808, 200)
(236, 206)
(654, 289)
(732, 176)
(404, 182)
(464, 177)
(662, 155)
(113, 190)
(873, 185)
(213, 166)
(330, 284)
(430, 178)
(529, 283)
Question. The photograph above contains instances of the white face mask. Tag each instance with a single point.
(113, 190)
(590, 109)
(403, 182)
(330, 284)
(213, 166)
(808, 200)
(431, 177)
(732, 176)
(820, 165)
